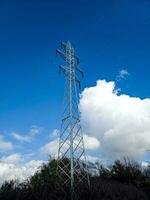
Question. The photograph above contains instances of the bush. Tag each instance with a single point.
(121, 181)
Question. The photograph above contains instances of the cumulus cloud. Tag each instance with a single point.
(5, 145)
(10, 169)
(122, 74)
(51, 148)
(120, 122)
(91, 143)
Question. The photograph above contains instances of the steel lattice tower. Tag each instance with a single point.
(71, 154)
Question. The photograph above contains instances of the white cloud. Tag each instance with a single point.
(91, 143)
(10, 169)
(122, 74)
(5, 145)
(54, 133)
(13, 158)
(145, 165)
(21, 138)
(92, 159)
(50, 148)
(121, 123)
(34, 130)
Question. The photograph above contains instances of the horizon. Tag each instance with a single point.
(112, 41)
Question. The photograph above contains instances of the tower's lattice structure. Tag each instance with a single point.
(71, 154)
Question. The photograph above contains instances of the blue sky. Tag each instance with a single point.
(108, 36)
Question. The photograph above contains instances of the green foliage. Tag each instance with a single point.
(121, 181)
(47, 174)
(8, 191)
(127, 172)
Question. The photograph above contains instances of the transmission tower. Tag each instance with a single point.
(72, 168)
